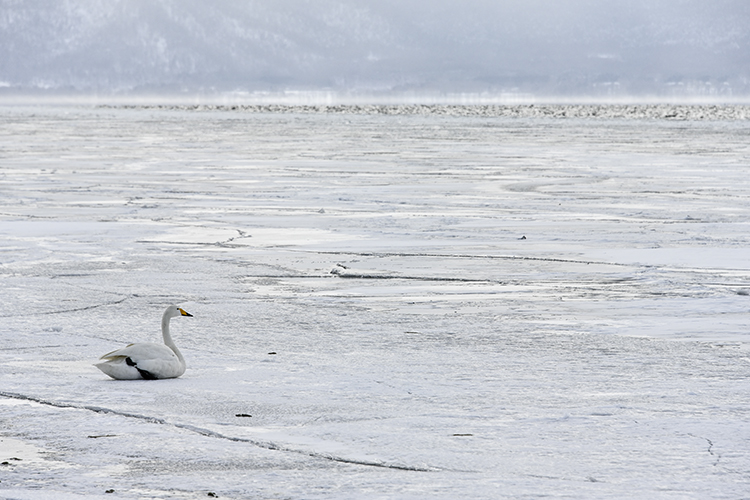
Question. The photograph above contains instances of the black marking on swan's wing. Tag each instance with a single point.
(145, 374)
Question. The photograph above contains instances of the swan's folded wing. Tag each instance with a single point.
(117, 368)
(162, 368)
(143, 351)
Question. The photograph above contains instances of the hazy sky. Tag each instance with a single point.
(541, 46)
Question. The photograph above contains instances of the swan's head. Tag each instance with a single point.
(174, 311)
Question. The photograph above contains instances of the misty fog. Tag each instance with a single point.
(568, 48)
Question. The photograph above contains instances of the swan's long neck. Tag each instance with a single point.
(168, 338)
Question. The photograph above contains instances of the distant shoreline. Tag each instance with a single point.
(676, 112)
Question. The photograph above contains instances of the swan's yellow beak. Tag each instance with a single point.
(184, 312)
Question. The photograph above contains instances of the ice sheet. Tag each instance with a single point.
(385, 306)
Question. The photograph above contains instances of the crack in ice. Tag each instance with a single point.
(710, 448)
(63, 311)
(468, 256)
(268, 445)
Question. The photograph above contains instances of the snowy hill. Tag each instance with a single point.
(575, 47)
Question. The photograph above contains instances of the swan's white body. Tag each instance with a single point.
(147, 360)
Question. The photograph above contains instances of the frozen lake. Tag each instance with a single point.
(386, 305)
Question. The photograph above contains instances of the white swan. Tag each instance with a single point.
(147, 360)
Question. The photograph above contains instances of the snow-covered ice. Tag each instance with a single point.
(386, 305)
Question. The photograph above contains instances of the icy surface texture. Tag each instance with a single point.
(409, 306)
